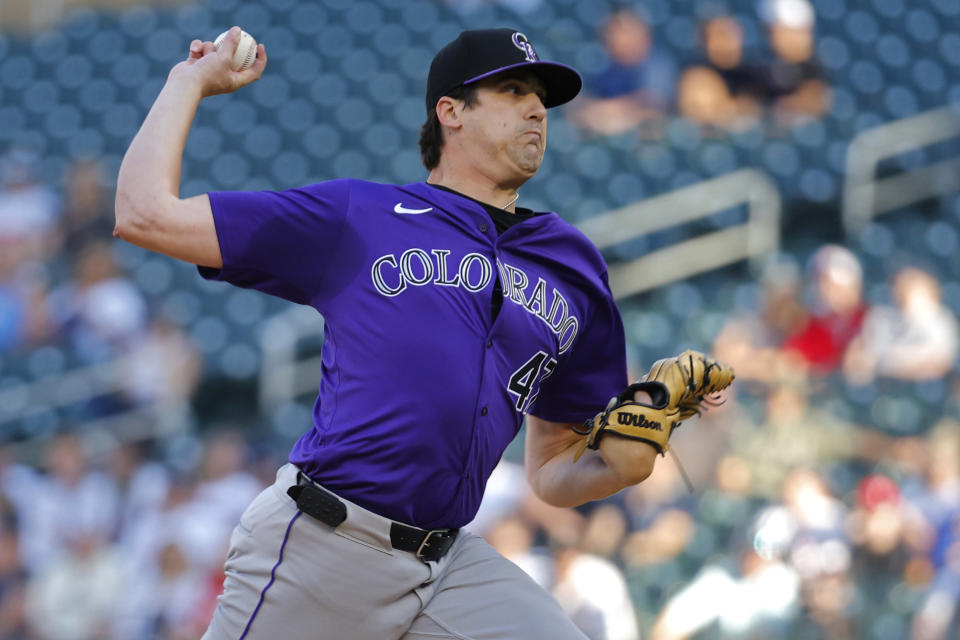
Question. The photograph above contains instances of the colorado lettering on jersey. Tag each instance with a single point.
(418, 267)
(556, 314)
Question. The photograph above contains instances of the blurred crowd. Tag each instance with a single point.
(121, 542)
(725, 87)
(826, 485)
(64, 293)
(807, 517)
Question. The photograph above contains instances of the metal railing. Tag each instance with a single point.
(283, 374)
(758, 237)
(865, 195)
(162, 418)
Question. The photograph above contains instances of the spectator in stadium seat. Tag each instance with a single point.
(933, 521)
(201, 526)
(68, 499)
(635, 87)
(164, 367)
(29, 209)
(750, 342)
(796, 432)
(876, 527)
(23, 290)
(754, 601)
(167, 598)
(663, 537)
(916, 338)
(78, 593)
(513, 536)
(593, 592)
(721, 90)
(758, 597)
(821, 555)
(794, 86)
(87, 206)
(142, 487)
(13, 577)
(13, 307)
(100, 312)
(837, 312)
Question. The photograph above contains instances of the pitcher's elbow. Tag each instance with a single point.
(122, 228)
(632, 462)
(122, 211)
(130, 221)
(637, 474)
(559, 499)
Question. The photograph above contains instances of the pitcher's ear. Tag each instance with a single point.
(448, 112)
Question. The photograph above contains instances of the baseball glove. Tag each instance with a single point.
(679, 387)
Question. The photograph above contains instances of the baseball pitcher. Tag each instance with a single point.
(451, 314)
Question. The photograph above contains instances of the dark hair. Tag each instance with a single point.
(431, 133)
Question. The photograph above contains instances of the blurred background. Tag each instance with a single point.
(775, 181)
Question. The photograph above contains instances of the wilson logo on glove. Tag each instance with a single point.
(679, 388)
(634, 420)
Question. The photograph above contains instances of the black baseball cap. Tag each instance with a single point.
(480, 53)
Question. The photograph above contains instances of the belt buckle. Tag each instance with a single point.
(426, 541)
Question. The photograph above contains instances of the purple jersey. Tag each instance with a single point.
(422, 387)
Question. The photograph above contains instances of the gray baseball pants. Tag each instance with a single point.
(291, 577)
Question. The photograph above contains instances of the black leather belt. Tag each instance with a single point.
(317, 502)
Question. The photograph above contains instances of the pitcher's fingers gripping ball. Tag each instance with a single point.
(233, 61)
(246, 52)
(679, 387)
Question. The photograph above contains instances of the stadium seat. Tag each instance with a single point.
(139, 21)
(929, 76)
(649, 329)
(245, 307)
(350, 163)
(239, 360)
(290, 169)
(405, 166)
(154, 276)
(382, 139)
(861, 27)
(210, 333)
(181, 306)
(364, 17)
(306, 18)
(900, 102)
(922, 26)
(81, 24)
(230, 170)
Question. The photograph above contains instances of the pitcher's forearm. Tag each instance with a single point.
(149, 210)
(150, 171)
(562, 483)
(559, 480)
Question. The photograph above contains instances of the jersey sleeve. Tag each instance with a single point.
(594, 371)
(279, 242)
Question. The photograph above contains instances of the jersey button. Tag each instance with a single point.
(483, 411)
(483, 228)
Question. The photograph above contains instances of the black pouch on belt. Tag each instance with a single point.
(317, 503)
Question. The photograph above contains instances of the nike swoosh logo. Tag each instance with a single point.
(399, 208)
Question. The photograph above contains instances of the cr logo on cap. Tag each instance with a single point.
(520, 42)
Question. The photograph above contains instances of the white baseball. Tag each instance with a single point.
(246, 51)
